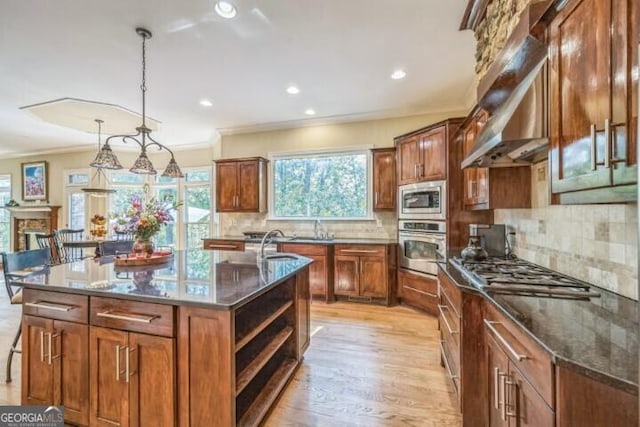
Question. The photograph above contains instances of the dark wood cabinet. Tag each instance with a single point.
(422, 156)
(593, 101)
(498, 369)
(384, 179)
(365, 271)
(303, 300)
(320, 271)
(223, 245)
(418, 290)
(55, 356)
(241, 185)
(492, 188)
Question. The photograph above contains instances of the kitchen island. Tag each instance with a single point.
(210, 338)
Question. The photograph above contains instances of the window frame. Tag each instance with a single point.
(7, 189)
(328, 152)
(70, 189)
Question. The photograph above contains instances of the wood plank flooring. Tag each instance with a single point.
(366, 366)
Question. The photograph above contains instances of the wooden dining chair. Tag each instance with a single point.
(14, 266)
(123, 235)
(69, 235)
(115, 247)
(52, 242)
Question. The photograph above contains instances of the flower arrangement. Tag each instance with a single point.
(145, 219)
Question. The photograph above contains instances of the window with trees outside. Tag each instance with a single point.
(321, 185)
(5, 224)
(77, 202)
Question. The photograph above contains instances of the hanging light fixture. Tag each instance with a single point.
(106, 158)
(98, 189)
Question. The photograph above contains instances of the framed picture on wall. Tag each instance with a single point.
(34, 181)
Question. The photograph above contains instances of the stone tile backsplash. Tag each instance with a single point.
(384, 226)
(594, 243)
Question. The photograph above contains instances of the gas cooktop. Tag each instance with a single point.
(518, 277)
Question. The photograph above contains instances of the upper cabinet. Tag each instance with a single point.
(593, 75)
(492, 188)
(241, 185)
(384, 179)
(422, 156)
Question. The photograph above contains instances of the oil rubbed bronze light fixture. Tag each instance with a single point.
(106, 158)
(96, 189)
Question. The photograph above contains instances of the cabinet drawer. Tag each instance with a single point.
(529, 357)
(55, 305)
(224, 245)
(451, 366)
(450, 294)
(303, 249)
(360, 250)
(418, 291)
(449, 324)
(145, 317)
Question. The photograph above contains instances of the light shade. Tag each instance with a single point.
(173, 170)
(106, 159)
(143, 165)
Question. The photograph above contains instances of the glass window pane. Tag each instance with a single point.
(198, 265)
(167, 236)
(198, 204)
(126, 178)
(77, 178)
(195, 234)
(165, 179)
(5, 182)
(195, 176)
(321, 187)
(77, 210)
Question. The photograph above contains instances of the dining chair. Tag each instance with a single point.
(52, 242)
(123, 235)
(115, 247)
(14, 266)
(69, 235)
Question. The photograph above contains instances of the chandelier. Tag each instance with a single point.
(106, 158)
(97, 189)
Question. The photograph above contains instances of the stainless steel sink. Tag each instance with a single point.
(280, 257)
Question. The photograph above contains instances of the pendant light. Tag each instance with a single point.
(107, 159)
(98, 189)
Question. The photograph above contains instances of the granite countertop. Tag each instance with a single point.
(303, 239)
(597, 336)
(212, 279)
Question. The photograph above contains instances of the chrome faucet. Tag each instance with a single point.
(267, 239)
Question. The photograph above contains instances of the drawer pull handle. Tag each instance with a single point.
(42, 346)
(109, 314)
(422, 292)
(446, 362)
(118, 362)
(518, 356)
(594, 149)
(50, 306)
(212, 245)
(444, 318)
(358, 251)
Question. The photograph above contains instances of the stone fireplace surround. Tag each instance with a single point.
(27, 221)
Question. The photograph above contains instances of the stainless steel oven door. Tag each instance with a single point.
(419, 251)
(425, 200)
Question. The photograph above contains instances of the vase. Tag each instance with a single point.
(143, 247)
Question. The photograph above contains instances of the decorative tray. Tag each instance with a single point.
(131, 260)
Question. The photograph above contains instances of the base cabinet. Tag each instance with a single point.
(418, 291)
(365, 272)
(320, 271)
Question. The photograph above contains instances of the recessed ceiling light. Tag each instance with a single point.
(206, 103)
(309, 112)
(398, 74)
(293, 90)
(225, 9)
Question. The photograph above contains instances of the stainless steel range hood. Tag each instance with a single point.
(517, 130)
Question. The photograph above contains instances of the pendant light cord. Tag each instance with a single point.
(143, 86)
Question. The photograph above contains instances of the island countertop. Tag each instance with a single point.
(211, 279)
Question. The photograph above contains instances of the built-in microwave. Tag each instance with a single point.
(424, 200)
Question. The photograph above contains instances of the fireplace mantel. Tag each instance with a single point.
(43, 218)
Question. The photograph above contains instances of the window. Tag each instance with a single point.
(326, 185)
(196, 218)
(77, 206)
(5, 224)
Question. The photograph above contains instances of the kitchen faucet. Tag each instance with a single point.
(267, 239)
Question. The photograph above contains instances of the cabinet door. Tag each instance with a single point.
(408, 160)
(373, 277)
(37, 372)
(226, 186)
(433, 146)
(470, 181)
(346, 275)
(249, 186)
(152, 380)
(580, 72)
(318, 275)
(528, 408)
(497, 372)
(71, 367)
(304, 312)
(384, 180)
(109, 390)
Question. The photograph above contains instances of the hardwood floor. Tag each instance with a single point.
(366, 366)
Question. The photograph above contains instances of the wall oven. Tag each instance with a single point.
(422, 244)
(424, 200)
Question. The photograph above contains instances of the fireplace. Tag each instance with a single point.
(27, 221)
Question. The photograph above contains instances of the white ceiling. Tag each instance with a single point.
(340, 53)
